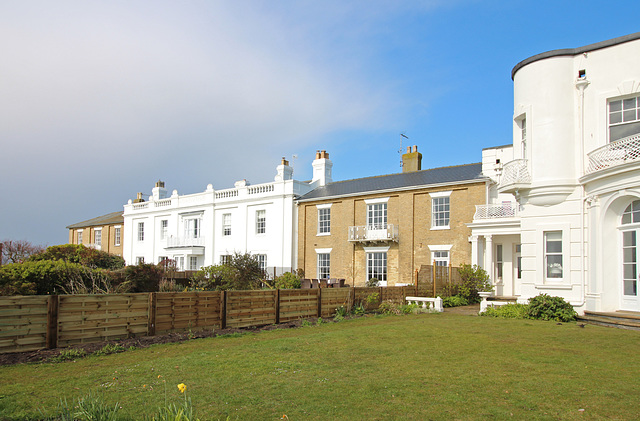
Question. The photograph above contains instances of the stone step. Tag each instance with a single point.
(622, 321)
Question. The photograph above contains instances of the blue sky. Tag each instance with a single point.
(99, 99)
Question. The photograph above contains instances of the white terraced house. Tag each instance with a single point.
(563, 210)
(206, 228)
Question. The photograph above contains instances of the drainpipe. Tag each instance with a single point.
(581, 85)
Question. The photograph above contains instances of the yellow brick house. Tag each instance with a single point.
(387, 226)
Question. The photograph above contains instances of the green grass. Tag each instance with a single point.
(429, 366)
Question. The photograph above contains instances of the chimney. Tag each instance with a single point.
(159, 192)
(412, 160)
(322, 168)
(284, 171)
(138, 198)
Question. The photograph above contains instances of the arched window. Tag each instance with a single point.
(631, 214)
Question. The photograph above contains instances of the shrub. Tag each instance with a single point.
(144, 277)
(43, 277)
(81, 254)
(507, 311)
(454, 301)
(242, 272)
(474, 279)
(288, 280)
(546, 307)
(373, 282)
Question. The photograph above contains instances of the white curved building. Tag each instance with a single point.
(563, 209)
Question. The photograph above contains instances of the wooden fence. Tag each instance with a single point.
(432, 279)
(35, 322)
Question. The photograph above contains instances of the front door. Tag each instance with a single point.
(630, 249)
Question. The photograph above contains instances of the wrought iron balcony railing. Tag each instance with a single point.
(515, 174)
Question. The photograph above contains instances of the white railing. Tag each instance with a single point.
(185, 242)
(223, 194)
(615, 153)
(263, 188)
(143, 205)
(515, 172)
(388, 232)
(498, 210)
(162, 202)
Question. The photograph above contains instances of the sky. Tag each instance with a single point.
(100, 99)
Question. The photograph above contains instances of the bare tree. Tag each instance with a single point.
(16, 251)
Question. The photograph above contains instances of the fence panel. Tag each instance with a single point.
(23, 323)
(176, 311)
(95, 318)
(333, 298)
(298, 303)
(396, 294)
(251, 308)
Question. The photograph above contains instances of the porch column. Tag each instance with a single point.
(488, 256)
(474, 249)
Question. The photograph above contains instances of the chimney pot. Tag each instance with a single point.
(408, 149)
(415, 148)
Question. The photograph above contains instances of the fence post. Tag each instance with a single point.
(434, 278)
(380, 296)
(53, 304)
(223, 310)
(415, 284)
(151, 326)
(277, 305)
(352, 295)
(450, 269)
(319, 302)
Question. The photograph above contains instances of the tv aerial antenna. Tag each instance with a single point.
(402, 136)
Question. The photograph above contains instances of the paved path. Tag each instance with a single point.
(471, 310)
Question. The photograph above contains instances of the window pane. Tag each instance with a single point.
(629, 115)
(615, 117)
(624, 130)
(615, 105)
(630, 271)
(629, 104)
(629, 238)
(629, 255)
(554, 266)
(630, 288)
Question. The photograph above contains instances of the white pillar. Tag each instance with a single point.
(488, 256)
(474, 250)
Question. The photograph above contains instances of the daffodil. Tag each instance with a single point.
(182, 387)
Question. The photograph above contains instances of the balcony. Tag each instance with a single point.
(515, 176)
(496, 211)
(373, 233)
(615, 153)
(174, 242)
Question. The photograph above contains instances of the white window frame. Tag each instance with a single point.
(225, 259)
(117, 234)
(625, 119)
(441, 210)
(499, 261)
(97, 237)
(226, 224)
(371, 256)
(548, 238)
(324, 219)
(261, 221)
(140, 231)
(377, 213)
(164, 228)
(80, 236)
(440, 254)
(139, 260)
(193, 262)
(323, 263)
(192, 227)
(262, 261)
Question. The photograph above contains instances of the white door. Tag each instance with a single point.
(630, 299)
(517, 269)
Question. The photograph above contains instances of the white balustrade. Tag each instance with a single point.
(615, 153)
(388, 232)
(185, 242)
(515, 172)
(496, 210)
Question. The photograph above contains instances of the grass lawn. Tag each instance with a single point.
(428, 366)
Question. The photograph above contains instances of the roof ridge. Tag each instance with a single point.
(404, 173)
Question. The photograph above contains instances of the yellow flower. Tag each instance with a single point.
(182, 387)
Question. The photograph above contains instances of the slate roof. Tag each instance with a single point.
(108, 219)
(401, 181)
